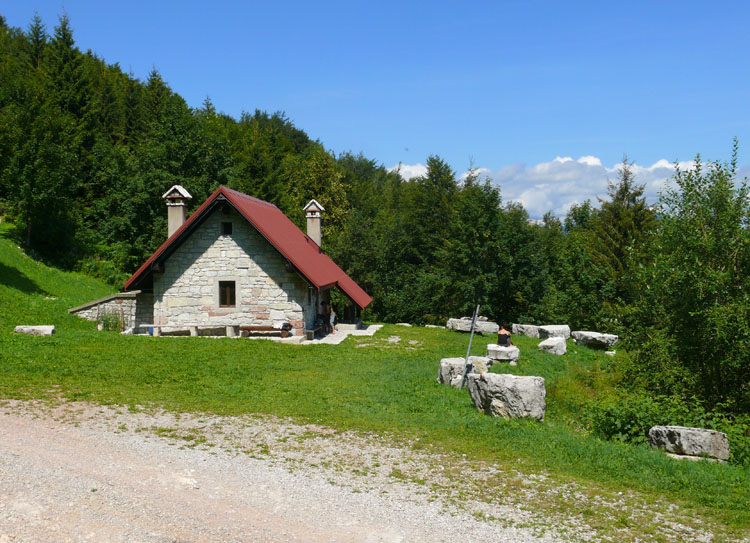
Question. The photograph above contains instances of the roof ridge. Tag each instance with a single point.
(247, 196)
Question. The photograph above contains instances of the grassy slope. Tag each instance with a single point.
(364, 384)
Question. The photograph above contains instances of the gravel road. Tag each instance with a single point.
(79, 472)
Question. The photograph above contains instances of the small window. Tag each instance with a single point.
(226, 294)
(226, 229)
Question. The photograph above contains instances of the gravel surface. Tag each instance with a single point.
(73, 471)
(79, 472)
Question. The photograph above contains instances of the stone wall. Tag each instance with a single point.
(267, 294)
(131, 307)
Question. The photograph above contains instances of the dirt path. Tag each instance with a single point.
(85, 473)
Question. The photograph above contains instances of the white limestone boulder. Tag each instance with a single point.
(449, 369)
(500, 352)
(480, 364)
(595, 340)
(528, 330)
(481, 327)
(453, 368)
(693, 443)
(554, 330)
(554, 345)
(456, 381)
(508, 396)
(43, 330)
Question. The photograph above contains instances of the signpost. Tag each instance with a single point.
(468, 366)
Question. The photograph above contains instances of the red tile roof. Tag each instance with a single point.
(302, 252)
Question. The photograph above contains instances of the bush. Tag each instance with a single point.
(628, 418)
(110, 321)
(689, 328)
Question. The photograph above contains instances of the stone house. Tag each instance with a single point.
(237, 261)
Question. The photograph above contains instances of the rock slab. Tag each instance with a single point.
(500, 352)
(691, 442)
(529, 330)
(481, 327)
(554, 330)
(35, 330)
(508, 396)
(595, 340)
(554, 345)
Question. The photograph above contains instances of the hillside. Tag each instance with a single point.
(34, 293)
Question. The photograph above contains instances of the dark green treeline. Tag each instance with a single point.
(86, 151)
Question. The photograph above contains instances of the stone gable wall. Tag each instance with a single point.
(187, 292)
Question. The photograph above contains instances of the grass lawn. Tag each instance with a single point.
(365, 384)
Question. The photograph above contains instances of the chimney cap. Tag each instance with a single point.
(177, 192)
(312, 206)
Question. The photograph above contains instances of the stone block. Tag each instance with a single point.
(528, 330)
(691, 442)
(35, 330)
(595, 340)
(554, 345)
(508, 396)
(464, 325)
(480, 364)
(501, 352)
(449, 369)
(554, 330)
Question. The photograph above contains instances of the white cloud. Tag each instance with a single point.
(564, 181)
(590, 160)
(409, 171)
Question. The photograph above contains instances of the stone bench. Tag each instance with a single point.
(247, 331)
(231, 329)
(510, 354)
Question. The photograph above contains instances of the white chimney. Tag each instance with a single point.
(176, 198)
(313, 209)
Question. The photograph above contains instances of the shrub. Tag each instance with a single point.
(628, 418)
(110, 321)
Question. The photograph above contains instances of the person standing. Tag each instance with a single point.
(328, 316)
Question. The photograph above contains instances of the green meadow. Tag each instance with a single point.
(365, 384)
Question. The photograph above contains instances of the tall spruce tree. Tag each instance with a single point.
(619, 228)
(37, 41)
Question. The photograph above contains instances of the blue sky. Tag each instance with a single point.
(516, 87)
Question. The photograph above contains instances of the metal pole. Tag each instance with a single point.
(467, 366)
